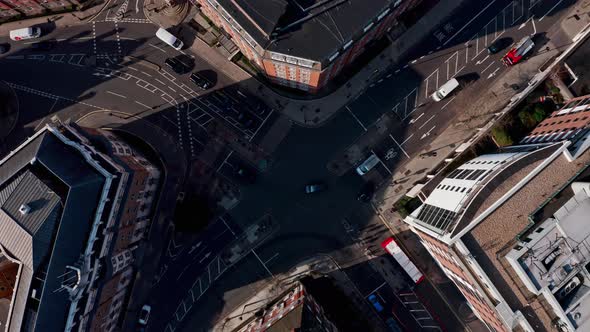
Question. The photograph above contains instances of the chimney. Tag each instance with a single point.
(24, 209)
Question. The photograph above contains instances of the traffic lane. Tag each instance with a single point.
(235, 288)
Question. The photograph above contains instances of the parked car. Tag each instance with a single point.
(366, 192)
(375, 302)
(367, 165)
(314, 187)
(144, 314)
(499, 44)
(177, 66)
(200, 81)
(46, 45)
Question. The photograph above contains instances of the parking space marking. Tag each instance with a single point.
(550, 10)
(357, 119)
(407, 139)
(462, 28)
(157, 47)
(445, 105)
(382, 163)
(400, 147)
(142, 104)
(115, 94)
(262, 124)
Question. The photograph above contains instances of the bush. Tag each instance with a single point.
(501, 136)
(539, 113)
(407, 205)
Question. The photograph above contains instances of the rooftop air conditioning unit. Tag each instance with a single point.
(24, 209)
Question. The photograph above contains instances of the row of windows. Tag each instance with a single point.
(468, 174)
(560, 122)
(453, 188)
(545, 132)
(483, 162)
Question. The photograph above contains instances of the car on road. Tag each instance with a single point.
(177, 66)
(445, 89)
(200, 81)
(144, 314)
(366, 193)
(499, 45)
(46, 45)
(315, 187)
(367, 165)
(519, 51)
(375, 302)
(4, 48)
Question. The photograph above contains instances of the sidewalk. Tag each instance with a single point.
(472, 124)
(53, 21)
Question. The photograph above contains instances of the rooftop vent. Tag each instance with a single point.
(24, 209)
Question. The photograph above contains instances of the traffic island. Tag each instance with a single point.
(9, 110)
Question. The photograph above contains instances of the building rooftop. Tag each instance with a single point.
(287, 26)
(496, 234)
(467, 192)
(47, 188)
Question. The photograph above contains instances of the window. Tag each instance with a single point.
(382, 15)
(368, 27)
(333, 56)
(347, 45)
(539, 230)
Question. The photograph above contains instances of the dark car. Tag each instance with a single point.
(314, 187)
(366, 192)
(200, 81)
(177, 66)
(4, 48)
(499, 45)
(46, 45)
(244, 174)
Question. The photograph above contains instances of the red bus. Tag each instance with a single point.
(394, 250)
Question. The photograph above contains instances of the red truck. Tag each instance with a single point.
(516, 53)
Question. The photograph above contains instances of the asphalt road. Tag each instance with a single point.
(62, 82)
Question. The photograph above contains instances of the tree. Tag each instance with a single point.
(501, 136)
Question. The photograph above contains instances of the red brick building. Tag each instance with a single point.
(19, 9)
(304, 44)
(571, 122)
(489, 226)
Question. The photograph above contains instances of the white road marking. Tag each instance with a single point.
(479, 62)
(220, 166)
(407, 139)
(427, 133)
(157, 47)
(160, 81)
(146, 74)
(416, 119)
(424, 124)
(142, 104)
(261, 262)
(115, 94)
(445, 105)
(455, 35)
(399, 145)
(357, 119)
(550, 10)
(486, 68)
(493, 73)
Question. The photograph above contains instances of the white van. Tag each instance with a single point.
(367, 165)
(445, 89)
(169, 39)
(25, 33)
